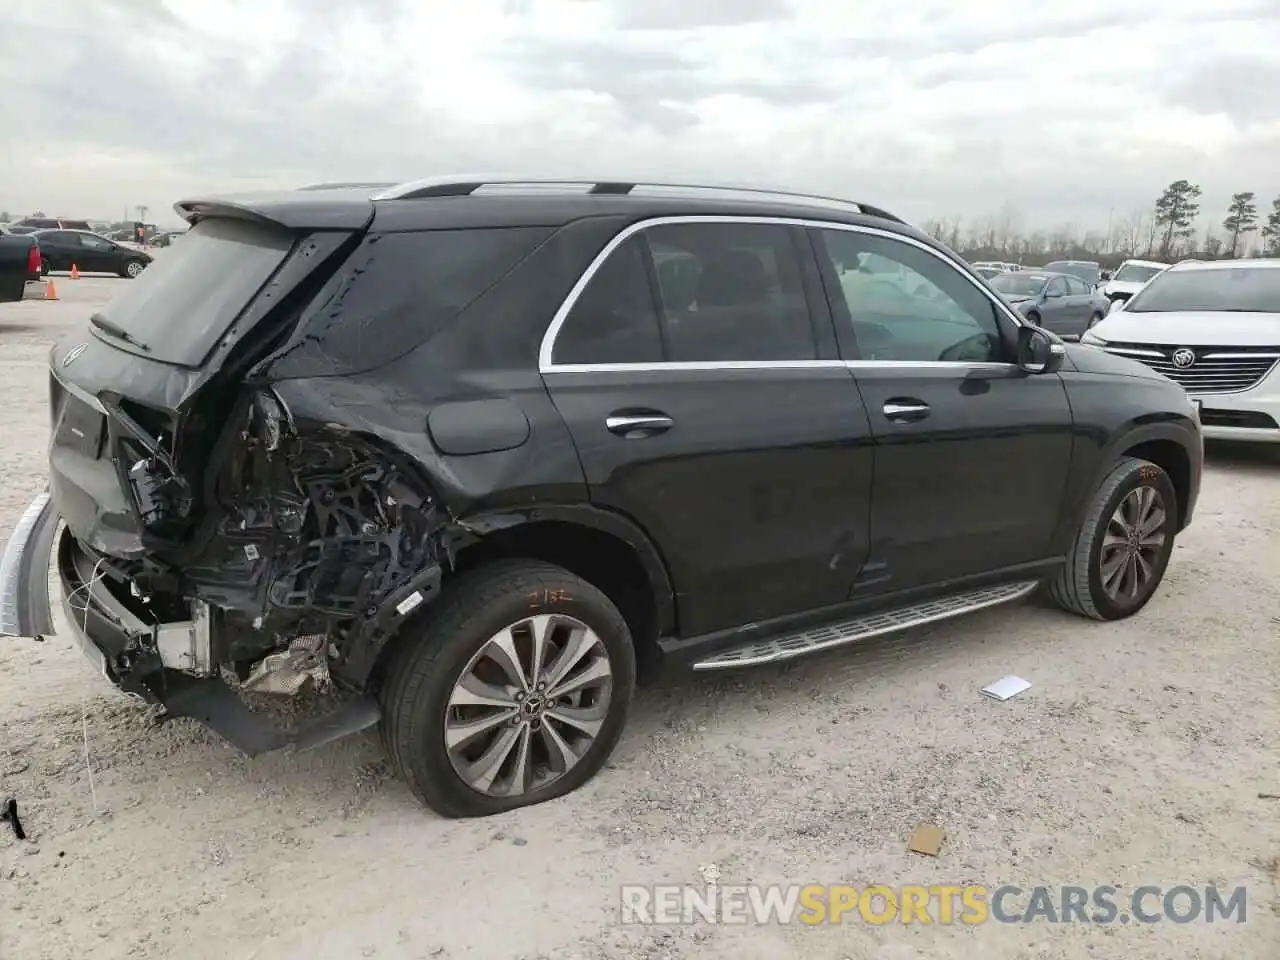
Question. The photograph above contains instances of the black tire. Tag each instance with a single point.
(1078, 587)
(1095, 320)
(1033, 318)
(424, 667)
(130, 265)
(44, 268)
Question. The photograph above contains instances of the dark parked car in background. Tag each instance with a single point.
(1090, 271)
(1056, 301)
(19, 264)
(481, 458)
(89, 253)
(32, 224)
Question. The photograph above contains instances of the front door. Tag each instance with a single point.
(97, 255)
(698, 375)
(971, 453)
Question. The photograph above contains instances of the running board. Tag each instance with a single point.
(789, 646)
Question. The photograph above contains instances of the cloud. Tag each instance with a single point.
(1068, 111)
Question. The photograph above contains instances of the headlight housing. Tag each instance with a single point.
(1092, 339)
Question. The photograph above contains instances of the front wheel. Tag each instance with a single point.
(1123, 546)
(514, 692)
(132, 268)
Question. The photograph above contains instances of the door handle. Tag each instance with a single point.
(642, 424)
(905, 411)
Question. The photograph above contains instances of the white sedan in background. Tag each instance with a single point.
(1213, 328)
(1131, 277)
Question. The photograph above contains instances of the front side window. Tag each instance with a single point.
(93, 243)
(731, 292)
(925, 311)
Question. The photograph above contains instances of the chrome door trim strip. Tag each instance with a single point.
(547, 346)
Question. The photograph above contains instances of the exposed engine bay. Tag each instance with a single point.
(315, 544)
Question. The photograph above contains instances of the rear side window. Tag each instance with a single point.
(398, 290)
(615, 320)
(181, 307)
(731, 292)
(725, 292)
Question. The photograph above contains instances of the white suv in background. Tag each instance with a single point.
(1130, 278)
(1213, 328)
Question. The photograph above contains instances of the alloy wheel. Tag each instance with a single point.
(133, 268)
(1132, 543)
(528, 705)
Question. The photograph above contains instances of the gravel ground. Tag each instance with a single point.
(1137, 757)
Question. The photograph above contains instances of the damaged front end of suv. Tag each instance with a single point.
(216, 527)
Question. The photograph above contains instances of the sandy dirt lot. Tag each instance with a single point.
(1137, 757)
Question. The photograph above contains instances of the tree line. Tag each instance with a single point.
(1166, 232)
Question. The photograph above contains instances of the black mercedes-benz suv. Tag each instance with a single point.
(475, 455)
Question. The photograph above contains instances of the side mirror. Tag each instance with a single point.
(1039, 351)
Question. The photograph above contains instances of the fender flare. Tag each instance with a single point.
(617, 525)
(1179, 430)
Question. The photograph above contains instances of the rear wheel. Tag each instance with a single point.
(1033, 318)
(1095, 320)
(514, 692)
(1123, 546)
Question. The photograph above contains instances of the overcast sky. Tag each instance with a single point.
(1065, 109)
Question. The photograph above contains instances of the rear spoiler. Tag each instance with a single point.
(291, 209)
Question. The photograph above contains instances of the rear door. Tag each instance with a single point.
(697, 372)
(971, 453)
(1080, 296)
(57, 248)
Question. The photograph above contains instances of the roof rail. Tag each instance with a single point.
(351, 185)
(462, 185)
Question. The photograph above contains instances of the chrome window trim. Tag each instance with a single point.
(547, 346)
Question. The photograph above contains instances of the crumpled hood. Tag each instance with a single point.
(1199, 329)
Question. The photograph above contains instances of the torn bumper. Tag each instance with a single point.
(109, 634)
(24, 573)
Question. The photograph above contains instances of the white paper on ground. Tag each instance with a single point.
(1005, 688)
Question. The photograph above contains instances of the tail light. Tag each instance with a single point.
(33, 259)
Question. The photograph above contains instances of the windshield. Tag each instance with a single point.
(1019, 284)
(1136, 273)
(181, 305)
(1083, 270)
(1222, 290)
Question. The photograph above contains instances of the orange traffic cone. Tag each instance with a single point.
(75, 272)
(50, 291)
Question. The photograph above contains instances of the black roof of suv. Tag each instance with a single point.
(483, 451)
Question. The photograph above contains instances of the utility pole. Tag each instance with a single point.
(142, 214)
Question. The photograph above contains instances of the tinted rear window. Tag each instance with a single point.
(396, 292)
(1228, 289)
(183, 303)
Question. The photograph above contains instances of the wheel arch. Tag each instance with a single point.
(606, 549)
(1171, 445)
